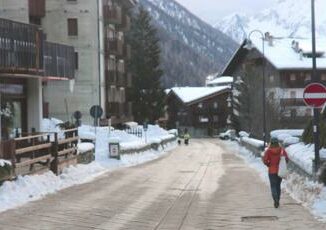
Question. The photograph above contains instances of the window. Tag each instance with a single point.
(308, 112)
(215, 118)
(203, 119)
(76, 61)
(271, 78)
(215, 105)
(271, 95)
(292, 77)
(323, 77)
(200, 105)
(307, 77)
(293, 94)
(72, 26)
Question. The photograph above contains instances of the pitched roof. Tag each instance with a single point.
(283, 55)
(191, 94)
(221, 80)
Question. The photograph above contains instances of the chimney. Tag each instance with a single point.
(269, 38)
(301, 55)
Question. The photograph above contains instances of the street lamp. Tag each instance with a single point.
(249, 46)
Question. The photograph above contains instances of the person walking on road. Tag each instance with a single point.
(272, 159)
(186, 137)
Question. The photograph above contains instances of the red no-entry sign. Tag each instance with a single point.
(314, 95)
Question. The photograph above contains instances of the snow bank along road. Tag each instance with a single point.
(196, 187)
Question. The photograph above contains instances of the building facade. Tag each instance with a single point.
(287, 65)
(27, 60)
(96, 28)
(203, 111)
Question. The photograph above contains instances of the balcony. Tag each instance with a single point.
(127, 52)
(121, 80)
(125, 23)
(21, 50)
(292, 102)
(129, 80)
(112, 14)
(111, 77)
(36, 8)
(114, 47)
(59, 61)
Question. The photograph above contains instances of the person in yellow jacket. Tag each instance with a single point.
(186, 137)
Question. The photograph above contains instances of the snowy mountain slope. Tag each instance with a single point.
(289, 18)
(192, 43)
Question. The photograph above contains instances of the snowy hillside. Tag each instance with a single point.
(192, 49)
(289, 18)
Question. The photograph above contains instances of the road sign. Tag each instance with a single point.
(314, 95)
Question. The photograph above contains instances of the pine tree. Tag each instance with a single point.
(147, 93)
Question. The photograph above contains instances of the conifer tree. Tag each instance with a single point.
(147, 93)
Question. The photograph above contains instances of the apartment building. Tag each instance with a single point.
(96, 28)
(27, 60)
(287, 63)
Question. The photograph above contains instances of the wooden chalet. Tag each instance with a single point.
(204, 111)
(288, 66)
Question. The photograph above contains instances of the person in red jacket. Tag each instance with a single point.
(272, 159)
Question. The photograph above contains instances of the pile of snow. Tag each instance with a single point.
(85, 147)
(30, 188)
(288, 136)
(303, 155)
(52, 126)
(310, 194)
(3, 163)
(254, 142)
(243, 134)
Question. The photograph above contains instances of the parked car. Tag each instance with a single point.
(228, 135)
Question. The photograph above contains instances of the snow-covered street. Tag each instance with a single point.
(201, 186)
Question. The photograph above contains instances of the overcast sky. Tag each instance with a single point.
(212, 10)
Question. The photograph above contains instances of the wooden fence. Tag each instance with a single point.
(40, 152)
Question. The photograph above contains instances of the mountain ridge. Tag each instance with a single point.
(288, 18)
(191, 48)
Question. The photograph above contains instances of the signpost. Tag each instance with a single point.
(314, 96)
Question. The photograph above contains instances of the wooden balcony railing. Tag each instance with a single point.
(59, 60)
(125, 23)
(112, 14)
(24, 51)
(114, 47)
(292, 102)
(21, 48)
(127, 51)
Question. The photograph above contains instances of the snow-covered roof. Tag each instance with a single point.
(190, 94)
(283, 55)
(221, 80)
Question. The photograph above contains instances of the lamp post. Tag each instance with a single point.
(249, 46)
(314, 79)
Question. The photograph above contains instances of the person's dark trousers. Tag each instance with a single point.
(275, 181)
